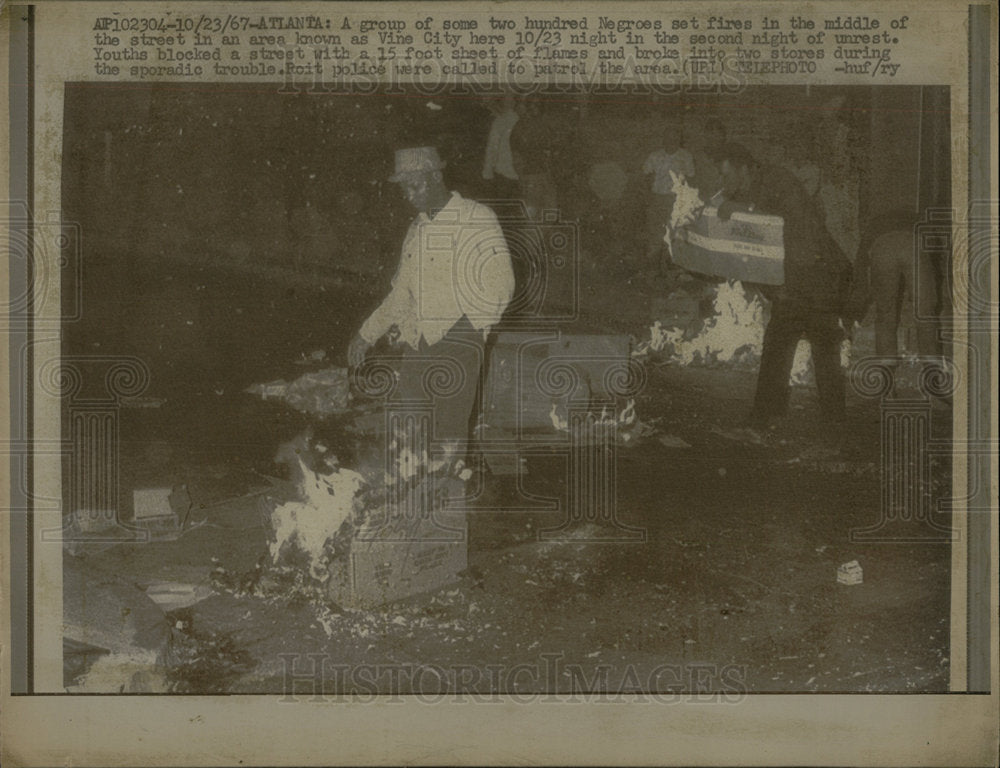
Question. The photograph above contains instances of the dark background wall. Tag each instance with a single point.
(250, 177)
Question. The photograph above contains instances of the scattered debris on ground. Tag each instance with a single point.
(318, 393)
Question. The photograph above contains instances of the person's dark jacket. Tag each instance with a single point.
(817, 273)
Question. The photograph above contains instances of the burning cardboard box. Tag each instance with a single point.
(530, 372)
(370, 540)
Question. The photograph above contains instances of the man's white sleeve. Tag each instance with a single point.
(492, 150)
(496, 281)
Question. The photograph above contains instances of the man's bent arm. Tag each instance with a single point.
(497, 278)
(390, 312)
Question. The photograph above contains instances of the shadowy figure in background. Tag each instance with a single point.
(800, 159)
(498, 162)
(531, 149)
(670, 159)
(809, 304)
(891, 266)
(530, 143)
(706, 149)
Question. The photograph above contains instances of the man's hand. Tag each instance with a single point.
(728, 208)
(857, 304)
(356, 351)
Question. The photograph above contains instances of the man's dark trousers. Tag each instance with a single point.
(444, 379)
(791, 321)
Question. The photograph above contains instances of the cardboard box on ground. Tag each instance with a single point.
(418, 547)
(386, 532)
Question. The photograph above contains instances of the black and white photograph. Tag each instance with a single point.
(511, 394)
(623, 363)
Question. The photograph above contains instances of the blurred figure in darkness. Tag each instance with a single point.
(891, 266)
(705, 151)
(498, 162)
(530, 143)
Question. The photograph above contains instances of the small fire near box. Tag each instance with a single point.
(747, 247)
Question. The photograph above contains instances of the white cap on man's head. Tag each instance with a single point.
(416, 160)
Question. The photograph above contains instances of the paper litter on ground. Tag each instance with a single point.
(319, 393)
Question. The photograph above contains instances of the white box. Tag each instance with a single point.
(151, 502)
(747, 246)
(850, 573)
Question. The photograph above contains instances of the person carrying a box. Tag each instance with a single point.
(453, 283)
(809, 304)
(710, 142)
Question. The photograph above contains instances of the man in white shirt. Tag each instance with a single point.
(453, 283)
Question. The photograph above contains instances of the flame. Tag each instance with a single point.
(802, 372)
(449, 454)
(734, 332)
(687, 206)
(328, 501)
(627, 416)
(736, 327)
(558, 422)
(608, 418)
